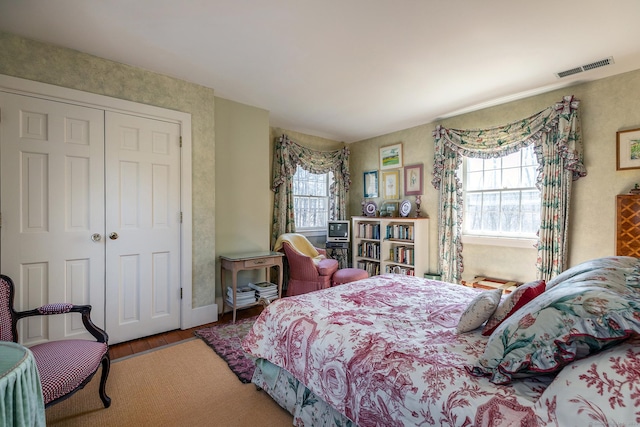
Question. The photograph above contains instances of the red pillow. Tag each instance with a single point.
(516, 299)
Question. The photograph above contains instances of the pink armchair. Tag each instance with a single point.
(309, 269)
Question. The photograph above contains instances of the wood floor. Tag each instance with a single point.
(128, 348)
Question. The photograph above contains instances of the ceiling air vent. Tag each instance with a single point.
(587, 67)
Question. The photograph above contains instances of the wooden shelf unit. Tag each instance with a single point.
(628, 225)
(388, 245)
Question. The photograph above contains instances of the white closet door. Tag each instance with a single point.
(52, 203)
(143, 226)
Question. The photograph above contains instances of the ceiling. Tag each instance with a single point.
(348, 69)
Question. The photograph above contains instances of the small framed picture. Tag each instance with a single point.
(628, 149)
(413, 180)
(391, 156)
(370, 184)
(391, 184)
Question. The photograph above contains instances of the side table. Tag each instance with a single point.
(20, 389)
(247, 261)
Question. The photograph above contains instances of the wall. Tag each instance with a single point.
(607, 105)
(243, 195)
(50, 64)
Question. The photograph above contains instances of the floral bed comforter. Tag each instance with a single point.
(384, 352)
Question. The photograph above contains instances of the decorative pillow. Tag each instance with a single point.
(479, 310)
(516, 299)
(615, 262)
(603, 387)
(560, 325)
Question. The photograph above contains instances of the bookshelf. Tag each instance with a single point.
(391, 245)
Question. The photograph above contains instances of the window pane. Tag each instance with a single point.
(512, 160)
(474, 181)
(530, 211)
(492, 179)
(493, 163)
(529, 156)
(474, 165)
(510, 212)
(511, 178)
(529, 176)
(490, 211)
(473, 212)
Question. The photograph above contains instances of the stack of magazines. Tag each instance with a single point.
(265, 290)
(244, 295)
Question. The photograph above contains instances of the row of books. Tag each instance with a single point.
(398, 269)
(369, 250)
(400, 231)
(402, 254)
(368, 231)
(252, 292)
(373, 268)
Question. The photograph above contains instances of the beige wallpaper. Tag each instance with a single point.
(45, 63)
(607, 105)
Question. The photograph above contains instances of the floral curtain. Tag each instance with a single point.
(555, 133)
(286, 158)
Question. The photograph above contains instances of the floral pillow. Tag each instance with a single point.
(601, 389)
(479, 310)
(614, 262)
(516, 299)
(560, 325)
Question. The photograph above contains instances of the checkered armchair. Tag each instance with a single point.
(64, 366)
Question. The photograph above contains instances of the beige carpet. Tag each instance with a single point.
(186, 384)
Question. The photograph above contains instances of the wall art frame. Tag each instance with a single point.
(391, 156)
(413, 180)
(370, 184)
(628, 149)
(391, 184)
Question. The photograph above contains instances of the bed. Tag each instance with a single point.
(395, 350)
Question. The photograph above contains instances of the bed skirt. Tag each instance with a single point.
(307, 409)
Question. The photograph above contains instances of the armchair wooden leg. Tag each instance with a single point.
(106, 365)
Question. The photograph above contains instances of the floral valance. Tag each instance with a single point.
(288, 155)
(506, 139)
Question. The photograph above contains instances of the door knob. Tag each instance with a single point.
(96, 237)
(113, 235)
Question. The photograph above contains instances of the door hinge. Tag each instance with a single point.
(180, 217)
(180, 293)
(0, 219)
(180, 141)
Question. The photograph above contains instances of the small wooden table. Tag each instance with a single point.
(247, 261)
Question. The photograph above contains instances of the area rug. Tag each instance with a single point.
(226, 340)
(185, 384)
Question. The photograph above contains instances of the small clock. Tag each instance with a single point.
(405, 208)
(370, 209)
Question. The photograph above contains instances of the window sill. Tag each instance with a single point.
(511, 242)
(312, 233)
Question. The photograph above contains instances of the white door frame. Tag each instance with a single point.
(188, 318)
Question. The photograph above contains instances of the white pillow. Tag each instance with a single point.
(479, 310)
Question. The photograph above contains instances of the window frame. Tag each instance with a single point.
(317, 230)
(498, 238)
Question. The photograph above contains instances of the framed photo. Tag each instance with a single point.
(370, 184)
(628, 149)
(391, 184)
(391, 156)
(413, 180)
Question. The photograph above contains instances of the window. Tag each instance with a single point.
(311, 199)
(500, 196)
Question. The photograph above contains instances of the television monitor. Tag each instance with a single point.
(338, 231)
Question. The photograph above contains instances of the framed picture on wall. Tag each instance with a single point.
(628, 149)
(391, 184)
(370, 184)
(391, 156)
(413, 180)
